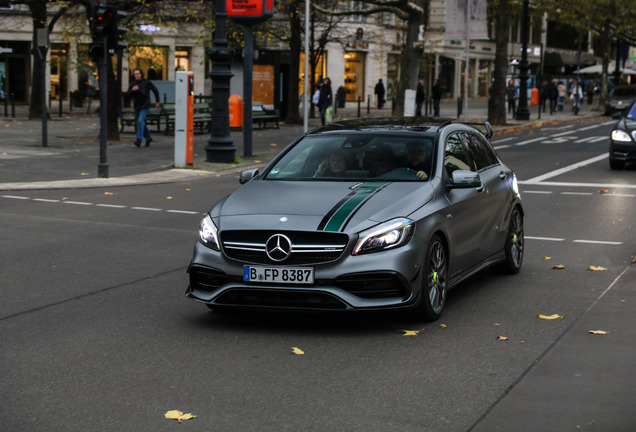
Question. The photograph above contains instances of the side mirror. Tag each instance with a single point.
(247, 175)
(461, 179)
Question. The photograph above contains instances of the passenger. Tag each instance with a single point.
(334, 166)
(380, 160)
(418, 158)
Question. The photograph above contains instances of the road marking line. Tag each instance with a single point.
(598, 242)
(15, 197)
(563, 170)
(78, 203)
(544, 238)
(592, 185)
(45, 200)
(619, 195)
(538, 192)
(111, 205)
(577, 193)
(182, 212)
(146, 208)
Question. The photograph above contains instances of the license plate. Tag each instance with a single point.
(290, 275)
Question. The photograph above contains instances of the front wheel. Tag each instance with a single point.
(514, 245)
(434, 284)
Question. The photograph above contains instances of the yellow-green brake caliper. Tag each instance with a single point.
(435, 277)
(514, 238)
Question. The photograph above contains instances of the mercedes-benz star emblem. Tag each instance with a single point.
(278, 247)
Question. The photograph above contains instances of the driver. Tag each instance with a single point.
(418, 158)
(380, 160)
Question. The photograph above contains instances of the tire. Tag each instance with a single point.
(514, 244)
(616, 164)
(434, 281)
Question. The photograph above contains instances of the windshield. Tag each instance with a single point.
(351, 157)
(624, 91)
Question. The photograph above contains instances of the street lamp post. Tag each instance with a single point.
(523, 113)
(220, 146)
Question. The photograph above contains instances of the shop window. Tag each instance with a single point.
(354, 75)
(59, 70)
(321, 72)
(182, 59)
(153, 61)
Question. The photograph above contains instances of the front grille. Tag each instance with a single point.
(282, 299)
(373, 285)
(307, 247)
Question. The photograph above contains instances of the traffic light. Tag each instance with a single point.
(96, 50)
(116, 32)
(99, 24)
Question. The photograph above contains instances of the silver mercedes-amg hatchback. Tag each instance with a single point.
(374, 214)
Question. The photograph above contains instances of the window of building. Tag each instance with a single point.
(153, 61)
(354, 75)
(59, 70)
(182, 59)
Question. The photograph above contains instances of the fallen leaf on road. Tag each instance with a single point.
(545, 258)
(550, 317)
(410, 332)
(602, 191)
(443, 325)
(598, 332)
(502, 338)
(297, 351)
(178, 415)
(558, 267)
(110, 193)
(85, 174)
(168, 197)
(594, 268)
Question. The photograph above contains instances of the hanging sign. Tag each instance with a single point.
(249, 11)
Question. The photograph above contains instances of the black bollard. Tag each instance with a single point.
(359, 103)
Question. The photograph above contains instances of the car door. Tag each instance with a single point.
(467, 214)
(496, 179)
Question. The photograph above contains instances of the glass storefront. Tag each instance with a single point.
(354, 75)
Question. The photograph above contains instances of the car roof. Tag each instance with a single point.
(397, 124)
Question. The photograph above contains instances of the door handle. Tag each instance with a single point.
(503, 175)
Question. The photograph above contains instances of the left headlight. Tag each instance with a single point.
(209, 233)
(620, 135)
(387, 235)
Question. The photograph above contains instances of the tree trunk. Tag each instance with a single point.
(497, 93)
(410, 61)
(293, 114)
(38, 15)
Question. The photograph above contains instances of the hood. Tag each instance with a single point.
(318, 205)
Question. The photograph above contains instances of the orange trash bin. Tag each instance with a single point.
(534, 96)
(235, 103)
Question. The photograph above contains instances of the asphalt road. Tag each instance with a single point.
(97, 335)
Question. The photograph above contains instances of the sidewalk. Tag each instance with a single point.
(72, 155)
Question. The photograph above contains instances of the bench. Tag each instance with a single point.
(263, 114)
(202, 117)
(153, 118)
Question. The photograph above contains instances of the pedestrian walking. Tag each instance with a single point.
(325, 99)
(562, 91)
(543, 95)
(140, 90)
(380, 92)
(553, 93)
(419, 98)
(512, 94)
(577, 95)
(591, 87)
(436, 93)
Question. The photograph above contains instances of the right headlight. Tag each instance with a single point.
(620, 135)
(387, 235)
(209, 233)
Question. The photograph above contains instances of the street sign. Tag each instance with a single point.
(6, 50)
(249, 11)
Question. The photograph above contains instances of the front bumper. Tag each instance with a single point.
(383, 280)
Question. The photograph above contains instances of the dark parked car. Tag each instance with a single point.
(376, 214)
(622, 146)
(620, 98)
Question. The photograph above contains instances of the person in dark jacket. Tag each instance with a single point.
(380, 92)
(140, 90)
(419, 98)
(325, 100)
(436, 94)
